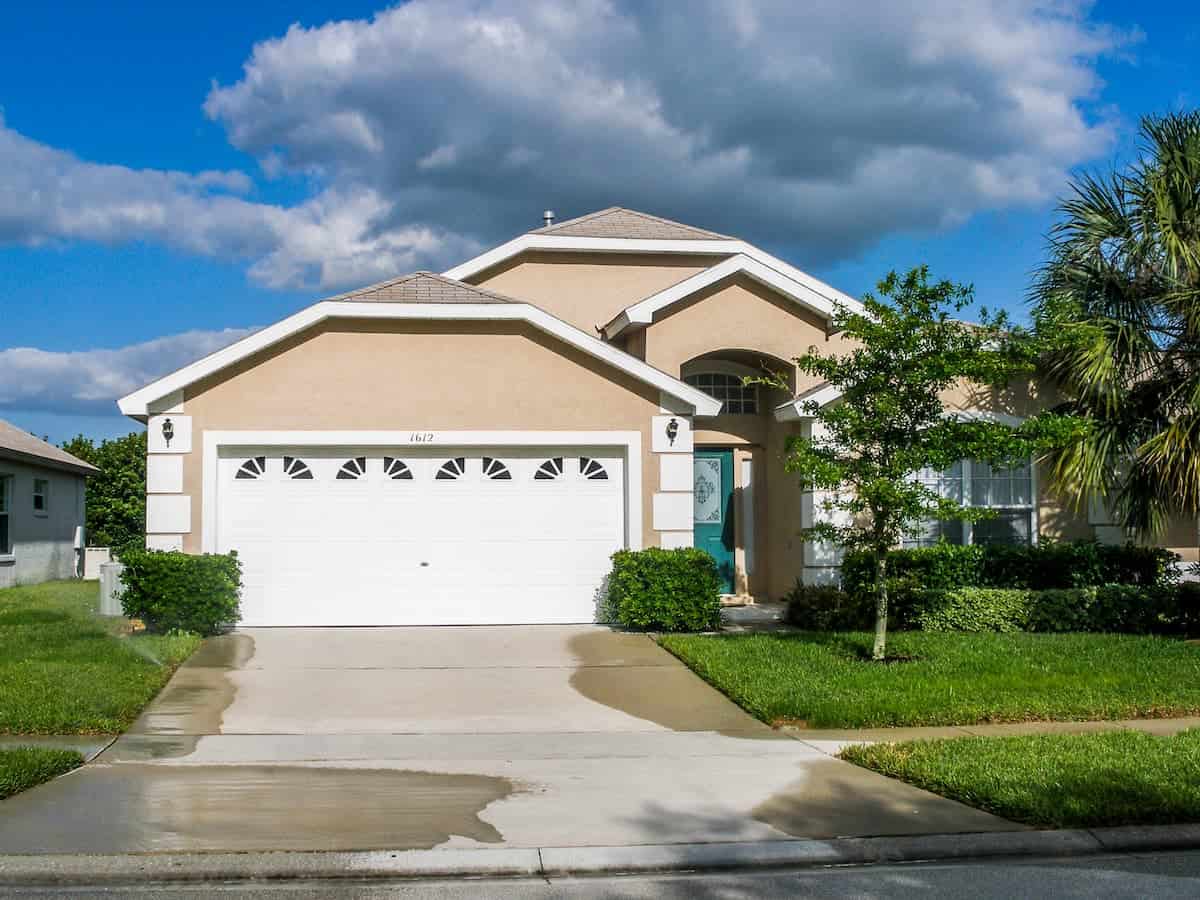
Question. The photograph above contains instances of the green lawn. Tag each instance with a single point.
(1055, 780)
(24, 767)
(64, 671)
(824, 680)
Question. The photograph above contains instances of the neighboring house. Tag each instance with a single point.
(471, 447)
(41, 509)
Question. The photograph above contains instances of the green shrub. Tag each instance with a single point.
(1068, 564)
(940, 567)
(1046, 566)
(828, 608)
(1113, 608)
(664, 590)
(1181, 608)
(172, 591)
(974, 609)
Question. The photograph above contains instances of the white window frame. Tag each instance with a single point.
(698, 367)
(968, 499)
(44, 494)
(6, 504)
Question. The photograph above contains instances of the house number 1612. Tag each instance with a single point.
(421, 437)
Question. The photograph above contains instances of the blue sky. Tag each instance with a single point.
(341, 153)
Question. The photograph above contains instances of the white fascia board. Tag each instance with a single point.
(596, 245)
(137, 403)
(794, 410)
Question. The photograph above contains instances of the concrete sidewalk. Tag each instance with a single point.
(455, 738)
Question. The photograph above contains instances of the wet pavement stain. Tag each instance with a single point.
(136, 808)
(146, 747)
(835, 799)
(666, 692)
(195, 699)
(224, 651)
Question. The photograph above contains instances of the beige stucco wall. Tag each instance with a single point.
(589, 289)
(402, 375)
(736, 313)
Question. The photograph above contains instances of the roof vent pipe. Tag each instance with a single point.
(548, 218)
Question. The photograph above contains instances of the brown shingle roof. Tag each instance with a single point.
(423, 287)
(21, 445)
(618, 222)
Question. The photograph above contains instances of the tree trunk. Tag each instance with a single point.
(879, 651)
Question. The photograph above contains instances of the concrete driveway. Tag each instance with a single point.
(404, 738)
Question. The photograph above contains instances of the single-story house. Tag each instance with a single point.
(472, 446)
(41, 509)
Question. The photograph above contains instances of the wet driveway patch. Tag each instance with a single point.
(145, 808)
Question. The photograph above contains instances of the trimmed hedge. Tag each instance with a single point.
(664, 590)
(173, 591)
(1114, 608)
(1046, 566)
(828, 608)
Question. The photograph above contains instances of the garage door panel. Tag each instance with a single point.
(492, 544)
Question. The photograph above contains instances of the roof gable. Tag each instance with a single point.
(795, 285)
(421, 296)
(619, 222)
(18, 444)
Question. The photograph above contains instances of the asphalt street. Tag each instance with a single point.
(1165, 875)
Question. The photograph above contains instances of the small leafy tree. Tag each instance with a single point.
(116, 497)
(868, 448)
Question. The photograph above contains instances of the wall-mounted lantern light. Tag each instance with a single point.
(168, 431)
(672, 431)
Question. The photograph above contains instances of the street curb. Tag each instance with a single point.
(56, 869)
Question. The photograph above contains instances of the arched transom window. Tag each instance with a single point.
(739, 398)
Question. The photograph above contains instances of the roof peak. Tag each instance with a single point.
(622, 222)
(422, 287)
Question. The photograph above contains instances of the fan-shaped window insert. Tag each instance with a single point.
(452, 469)
(495, 470)
(254, 467)
(549, 470)
(739, 398)
(353, 469)
(296, 469)
(592, 470)
(396, 469)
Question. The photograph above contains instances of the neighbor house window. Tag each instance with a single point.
(739, 398)
(973, 483)
(5, 509)
(41, 496)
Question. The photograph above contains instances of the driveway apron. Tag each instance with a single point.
(407, 738)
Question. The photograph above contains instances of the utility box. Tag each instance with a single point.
(93, 559)
(110, 589)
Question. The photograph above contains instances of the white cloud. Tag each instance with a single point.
(90, 381)
(436, 128)
(824, 125)
(336, 238)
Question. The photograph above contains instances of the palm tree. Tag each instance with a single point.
(1118, 304)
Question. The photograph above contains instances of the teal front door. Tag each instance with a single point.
(713, 504)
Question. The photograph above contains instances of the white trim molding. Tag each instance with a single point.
(139, 402)
(557, 242)
(796, 409)
(629, 441)
(810, 293)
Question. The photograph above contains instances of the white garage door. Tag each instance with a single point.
(352, 536)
